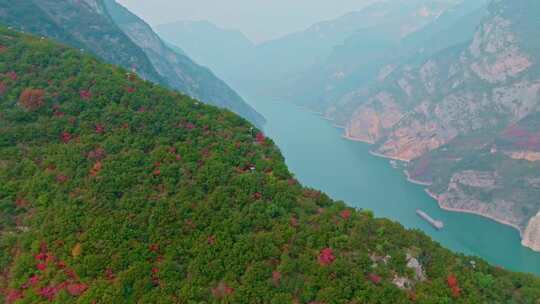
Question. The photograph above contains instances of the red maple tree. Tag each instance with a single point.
(32, 99)
(326, 257)
(260, 138)
(85, 95)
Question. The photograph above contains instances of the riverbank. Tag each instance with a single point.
(414, 181)
(432, 195)
(461, 210)
(344, 169)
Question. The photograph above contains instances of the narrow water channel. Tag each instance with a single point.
(322, 159)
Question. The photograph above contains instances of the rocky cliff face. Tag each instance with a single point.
(106, 29)
(466, 119)
(81, 24)
(179, 71)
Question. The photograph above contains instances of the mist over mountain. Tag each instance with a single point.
(131, 173)
(109, 31)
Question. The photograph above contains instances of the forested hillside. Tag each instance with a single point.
(115, 190)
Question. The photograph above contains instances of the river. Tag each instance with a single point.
(320, 158)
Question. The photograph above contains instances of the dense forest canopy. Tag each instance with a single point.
(115, 190)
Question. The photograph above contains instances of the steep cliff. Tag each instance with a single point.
(465, 118)
(111, 32)
(177, 69)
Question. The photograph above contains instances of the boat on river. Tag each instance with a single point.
(433, 222)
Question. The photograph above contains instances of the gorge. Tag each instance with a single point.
(454, 99)
(311, 145)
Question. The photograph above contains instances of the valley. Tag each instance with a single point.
(311, 145)
(389, 155)
(450, 89)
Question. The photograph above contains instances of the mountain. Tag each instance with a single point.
(81, 24)
(465, 119)
(371, 52)
(116, 190)
(219, 49)
(111, 32)
(269, 68)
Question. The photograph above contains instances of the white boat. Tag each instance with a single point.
(435, 223)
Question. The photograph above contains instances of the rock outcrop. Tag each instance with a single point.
(531, 236)
(466, 119)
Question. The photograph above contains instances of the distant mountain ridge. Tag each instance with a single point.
(268, 68)
(115, 190)
(110, 31)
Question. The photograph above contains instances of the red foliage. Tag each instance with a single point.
(3, 87)
(97, 154)
(61, 265)
(142, 110)
(85, 95)
(41, 256)
(155, 277)
(345, 214)
(292, 182)
(375, 279)
(96, 169)
(43, 248)
(456, 292)
(41, 266)
(57, 113)
(453, 283)
(153, 248)
(294, 221)
(260, 138)
(211, 240)
(61, 178)
(326, 257)
(157, 172)
(32, 99)
(100, 128)
(3, 48)
(12, 75)
(257, 195)
(66, 137)
(76, 289)
(109, 274)
(222, 290)
(190, 126)
(130, 90)
(50, 292)
(13, 295)
(276, 277)
(21, 202)
(70, 273)
(32, 281)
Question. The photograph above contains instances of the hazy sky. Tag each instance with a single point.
(258, 19)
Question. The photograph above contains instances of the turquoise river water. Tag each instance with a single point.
(320, 158)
